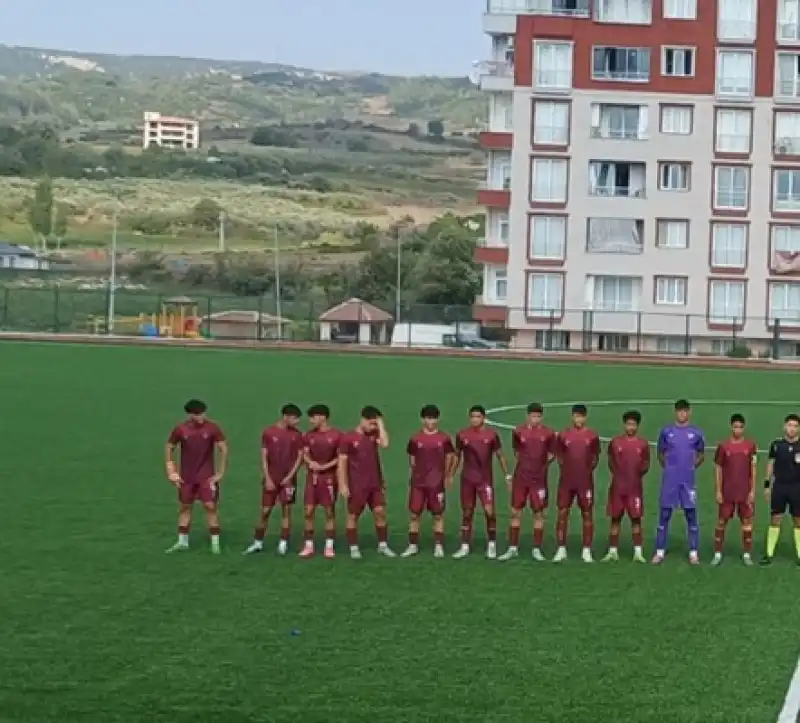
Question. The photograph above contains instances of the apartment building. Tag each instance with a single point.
(643, 173)
(170, 131)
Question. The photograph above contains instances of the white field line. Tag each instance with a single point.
(790, 713)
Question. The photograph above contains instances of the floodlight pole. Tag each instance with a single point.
(398, 293)
(278, 309)
(112, 276)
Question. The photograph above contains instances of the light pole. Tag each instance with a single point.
(221, 243)
(112, 275)
(278, 305)
(398, 296)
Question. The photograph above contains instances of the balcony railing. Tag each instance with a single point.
(736, 30)
(631, 134)
(497, 68)
(789, 32)
(573, 8)
(617, 191)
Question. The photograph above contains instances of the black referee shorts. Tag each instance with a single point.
(783, 497)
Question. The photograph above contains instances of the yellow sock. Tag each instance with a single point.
(797, 540)
(773, 535)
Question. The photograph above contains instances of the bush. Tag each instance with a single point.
(740, 351)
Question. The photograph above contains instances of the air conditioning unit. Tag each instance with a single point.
(783, 147)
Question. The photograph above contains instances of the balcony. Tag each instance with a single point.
(617, 179)
(624, 12)
(615, 236)
(493, 197)
(495, 75)
(620, 122)
(496, 141)
(787, 87)
(627, 65)
(487, 251)
(571, 8)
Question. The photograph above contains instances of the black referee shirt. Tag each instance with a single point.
(785, 456)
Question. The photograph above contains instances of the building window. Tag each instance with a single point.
(671, 345)
(726, 302)
(548, 237)
(499, 171)
(731, 188)
(673, 176)
(784, 302)
(670, 291)
(619, 179)
(672, 234)
(733, 130)
(735, 73)
(551, 123)
(503, 228)
(501, 112)
(680, 9)
(787, 85)
(789, 20)
(677, 119)
(614, 236)
(787, 190)
(499, 284)
(622, 64)
(736, 20)
(613, 293)
(785, 249)
(619, 121)
(551, 340)
(722, 347)
(635, 12)
(545, 295)
(677, 62)
(787, 133)
(729, 246)
(552, 65)
(549, 180)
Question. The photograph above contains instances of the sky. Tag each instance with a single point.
(435, 37)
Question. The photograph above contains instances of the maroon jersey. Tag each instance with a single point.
(533, 447)
(578, 451)
(477, 447)
(283, 445)
(323, 448)
(429, 452)
(735, 459)
(197, 443)
(629, 461)
(363, 460)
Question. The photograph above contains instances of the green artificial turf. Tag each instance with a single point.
(99, 625)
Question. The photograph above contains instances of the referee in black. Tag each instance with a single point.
(782, 486)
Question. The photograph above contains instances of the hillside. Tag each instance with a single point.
(71, 88)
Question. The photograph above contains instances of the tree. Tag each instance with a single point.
(206, 215)
(61, 223)
(40, 211)
(436, 129)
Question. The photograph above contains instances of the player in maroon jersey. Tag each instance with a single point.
(433, 460)
(735, 479)
(534, 445)
(477, 446)
(321, 455)
(281, 457)
(361, 480)
(628, 462)
(578, 452)
(198, 474)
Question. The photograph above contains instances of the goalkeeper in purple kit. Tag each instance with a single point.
(681, 448)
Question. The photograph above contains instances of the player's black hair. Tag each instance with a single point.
(319, 410)
(632, 416)
(371, 413)
(580, 409)
(430, 411)
(682, 405)
(535, 408)
(477, 409)
(737, 418)
(291, 410)
(195, 406)
(792, 418)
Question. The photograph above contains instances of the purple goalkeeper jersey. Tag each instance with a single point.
(680, 445)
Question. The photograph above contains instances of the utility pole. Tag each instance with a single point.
(222, 232)
(398, 297)
(112, 275)
(278, 305)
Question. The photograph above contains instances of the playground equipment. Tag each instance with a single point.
(178, 320)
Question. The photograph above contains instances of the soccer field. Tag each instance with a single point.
(100, 625)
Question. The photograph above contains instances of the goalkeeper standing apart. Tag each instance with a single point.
(782, 486)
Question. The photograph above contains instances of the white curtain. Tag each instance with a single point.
(784, 301)
(786, 239)
(644, 115)
(596, 109)
(614, 235)
(787, 126)
(727, 301)
(548, 237)
(735, 72)
(729, 246)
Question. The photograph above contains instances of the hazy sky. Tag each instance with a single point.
(390, 36)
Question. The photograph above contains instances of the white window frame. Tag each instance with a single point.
(737, 30)
(789, 88)
(729, 245)
(679, 54)
(615, 284)
(681, 128)
(670, 290)
(738, 86)
(677, 240)
(785, 238)
(558, 192)
(549, 241)
(499, 281)
(787, 132)
(553, 299)
(625, 14)
(728, 192)
(781, 304)
(553, 111)
(549, 79)
(740, 120)
(791, 202)
(680, 9)
(674, 176)
(671, 345)
(734, 298)
(503, 228)
(788, 30)
(623, 76)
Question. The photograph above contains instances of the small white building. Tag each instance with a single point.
(13, 256)
(355, 321)
(169, 131)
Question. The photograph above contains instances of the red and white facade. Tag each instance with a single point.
(643, 172)
(170, 131)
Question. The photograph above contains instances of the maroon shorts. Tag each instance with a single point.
(472, 492)
(431, 499)
(281, 496)
(191, 492)
(745, 510)
(360, 499)
(523, 495)
(582, 496)
(320, 492)
(624, 503)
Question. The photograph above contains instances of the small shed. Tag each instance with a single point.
(355, 321)
(13, 256)
(244, 324)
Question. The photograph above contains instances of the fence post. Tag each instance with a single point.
(208, 316)
(733, 332)
(56, 298)
(687, 333)
(639, 332)
(107, 309)
(259, 330)
(586, 336)
(776, 339)
(6, 299)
